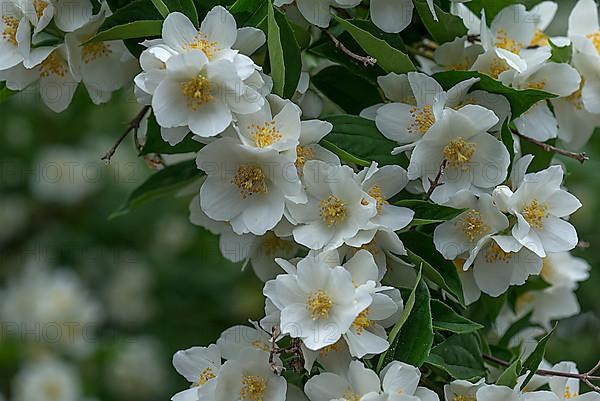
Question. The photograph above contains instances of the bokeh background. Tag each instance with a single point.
(149, 282)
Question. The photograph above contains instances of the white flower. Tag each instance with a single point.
(202, 94)
(198, 364)
(318, 303)
(245, 186)
(333, 358)
(458, 54)
(129, 294)
(564, 270)
(462, 235)
(462, 390)
(337, 207)
(249, 377)
(47, 380)
(568, 388)
(311, 132)
(318, 12)
(552, 303)
(584, 30)
(400, 380)
(356, 384)
(236, 339)
(14, 28)
(308, 100)
(471, 155)
(103, 67)
(539, 204)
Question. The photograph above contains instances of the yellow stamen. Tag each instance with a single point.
(10, 29)
(523, 300)
(536, 85)
(362, 322)
(253, 388)
(333, 211)
(303, 154)
(266, 134)
(496, 254)
(92, 51)
(424, 119)
(319, 304)
(205, 376)
(497, 67)
(547, 269)
(458, 153)
(462, 398)
(567, 395)
(201, 42)
(350, 395)
(261, 345)
(595, 38)
(39, 6)
(504, 42)
(250, 180)
(53, 65)
(576, 98)
(198, 91)
(272, 244)
(535, 213)
(375, 193)
(539, 39)
(472, 225)
(323, 352)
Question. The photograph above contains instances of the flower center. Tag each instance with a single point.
(458, 153)
(205, 376)
(539, 38)
(535, 213)
(53, 65)
(536, 85)
(198, 91)
(272, 243)
(473, 226)
(202, 43)
(323, 352)
(253, 388)
(497, 67)
(261, 345)
(523, 300)
(506, 43)
(319, 304)
(52, 390)
(547, 269)
(462, 398)
(250, 180)
(362, 322)
(375, 193)
(595, 38)
(333, 211)
(10, 29)
(567, 395)
(40, 7)
(576, 98)
(350, 395)
(496, 254)
(303, 154)
(93, 51)
(266, 134)
(424, 119)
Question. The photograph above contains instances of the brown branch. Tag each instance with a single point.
(586, 377)
(436, 182)
(133, 125)
(367, 61)
(581, 157)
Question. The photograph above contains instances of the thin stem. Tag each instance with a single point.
(586, 377)
(581, 157)
(436, 182)
(367, 61)
(133, 125)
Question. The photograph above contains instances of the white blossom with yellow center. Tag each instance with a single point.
(353, 383)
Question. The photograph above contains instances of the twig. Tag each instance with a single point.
(586, 377)
(367, 61)
(419, 52)
(133, 125)
(274, 351)
(436, 182)
(581, 157)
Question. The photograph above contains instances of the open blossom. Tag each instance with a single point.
(46, 380)
(246, 186)
(539, 204)
(472, 157)
(337, 207)
(318, 303)
(357, 383)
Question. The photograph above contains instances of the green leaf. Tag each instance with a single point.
(131, 30)
(333, 83)
(249, 12)
(446, 29)
(446, 319)
(160, 183)
(459, 356)
(515, 328)
(284, 54)
(510, 375)
(389, 58)
(137, 10)
(428, 212)
(359, 138)
(542, 158)
(186, 7)
(5, 93)
(442, 272)
(156, 144)
(520, 100)
(415, 338)
(161, 7)
(393, 338)
(532, 363)
(561, 54)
